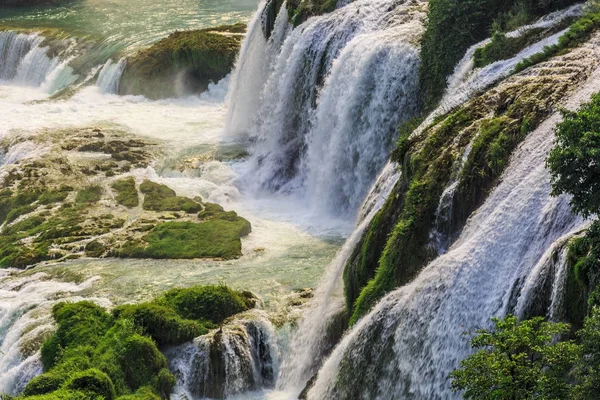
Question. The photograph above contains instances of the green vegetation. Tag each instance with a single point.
(573, 161)
(90, 194)
(301, 10)
(127, 194)
(94, 354)
(189, 59)
(213, 238)
(577, 34)
(520, 360)
(453, 26)
(502, 47)
(162, 198)
(13, 205)
(532, 359)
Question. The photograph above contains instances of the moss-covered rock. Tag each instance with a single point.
(162, 198)
(183, 63)
(127, 194)
(213, 302)
(160, 322)
(90, 194)
(215, 238)
(97, 355)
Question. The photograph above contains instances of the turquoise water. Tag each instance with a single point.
(129, 22)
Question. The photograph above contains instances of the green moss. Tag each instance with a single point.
(190, 59)
(397, 243)
(94, 354)
(210, 210)
(301, 10)
(90, 194)
(161, 198)
(127, 194)
(578, 32)
(95, 249)
(502, 47)
(92, 381)
(213, 302)
(213, 238)
(160, 322)
(43, 384)
(453, 26)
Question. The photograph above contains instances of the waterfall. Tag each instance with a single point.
(252, 67)
(413, 338)
(344, 80)
(25, 322)
(110, 76)
(310, 344)
(13, 48)
(238, 357)
(24, 60)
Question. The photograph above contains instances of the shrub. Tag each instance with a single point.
(573, 161)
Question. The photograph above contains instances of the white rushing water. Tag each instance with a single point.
(109, 78)
(25, 304)
(241, 356)
(344, 80)
(413, 338)
(310, 342)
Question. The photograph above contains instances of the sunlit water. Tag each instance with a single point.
(131, 22)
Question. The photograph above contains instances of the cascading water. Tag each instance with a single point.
(311, 342)
(25, 322)
(467, 80)
(342, 80)
(110, 76)
(412, 339)
(241, 356)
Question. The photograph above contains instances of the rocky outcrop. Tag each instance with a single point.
(183, 63)
(76, 197)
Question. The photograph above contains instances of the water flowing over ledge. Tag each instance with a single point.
(344, 80)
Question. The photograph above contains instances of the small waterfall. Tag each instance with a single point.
(25, 322)
(25, 61)
(252, 68)
(110, 76)
(309, 344)
(342, 80)
(412, 339)
(240, 356)
(13, 48)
